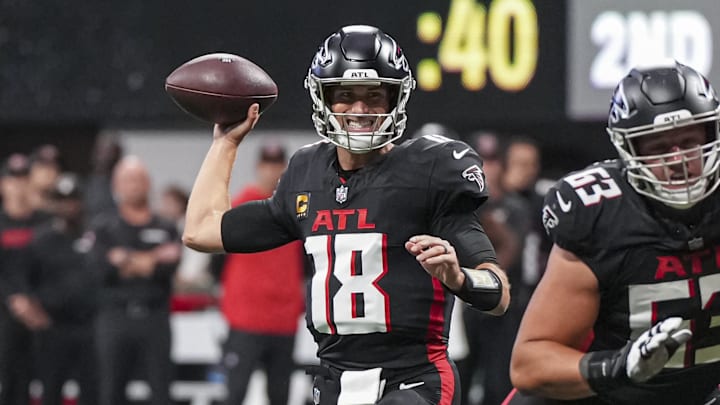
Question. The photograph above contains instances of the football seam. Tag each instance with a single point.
(216, 94)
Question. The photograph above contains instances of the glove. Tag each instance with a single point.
(651, 350)
(637, 361)
(713, 398)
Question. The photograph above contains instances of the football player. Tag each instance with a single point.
(391, 230)
(626, 312)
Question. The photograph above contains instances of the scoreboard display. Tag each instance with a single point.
(497, 42)
(607, 38)
(475, 61)
(486, 62)
(478, 63)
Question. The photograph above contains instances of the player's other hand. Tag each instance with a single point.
(650, 351)
(236, 132)
(437, 257)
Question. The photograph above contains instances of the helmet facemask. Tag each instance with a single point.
(648, 103)
(681, 191)
(336, 127)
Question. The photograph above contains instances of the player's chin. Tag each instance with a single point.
(357, 143)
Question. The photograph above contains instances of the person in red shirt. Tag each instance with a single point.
(262, 299)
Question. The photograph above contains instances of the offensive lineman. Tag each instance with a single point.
(635, 268)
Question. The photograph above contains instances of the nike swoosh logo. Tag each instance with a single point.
(404, 386)
(564, 205)
(458, 155)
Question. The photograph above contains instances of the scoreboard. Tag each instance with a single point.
(497, 42)
(607, 38)
(478, 63)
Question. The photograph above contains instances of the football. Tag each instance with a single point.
(219, 87)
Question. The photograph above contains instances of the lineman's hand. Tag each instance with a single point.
(236, 132)
(651, 350)
(639, 360)
(437, 257)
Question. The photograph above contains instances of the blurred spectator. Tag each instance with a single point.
(107, 151)
(193, 274)
(62, 285)
(173, 203)
(135, 255)
(19, 312)
(45, 168)
(436, 128)
(262, 299)
(523, 165)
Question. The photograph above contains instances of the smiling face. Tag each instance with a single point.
(361, 117)
(361, 100)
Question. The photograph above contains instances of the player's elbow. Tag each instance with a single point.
(191, 240)
(196, 241)
(524, 377)
(203, 234)
(526, 374)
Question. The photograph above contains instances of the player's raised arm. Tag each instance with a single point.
(209, 197)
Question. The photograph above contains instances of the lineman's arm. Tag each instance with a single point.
(558, 319)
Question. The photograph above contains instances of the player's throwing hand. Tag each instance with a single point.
(236, 132)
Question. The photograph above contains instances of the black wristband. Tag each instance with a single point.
(482, 289)
(605, 370)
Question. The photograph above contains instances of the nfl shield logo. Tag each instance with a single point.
(341, 194)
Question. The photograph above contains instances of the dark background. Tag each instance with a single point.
(69, 68)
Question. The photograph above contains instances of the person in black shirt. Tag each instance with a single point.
(135, 257)
(19, 312)
(45, 168)
(61, 282)
(387, 228)
(626, 310)
(106, 153)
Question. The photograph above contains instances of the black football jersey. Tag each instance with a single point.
(649, 268)
(369, 302)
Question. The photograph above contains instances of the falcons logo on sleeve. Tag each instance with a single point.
(474, 173)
